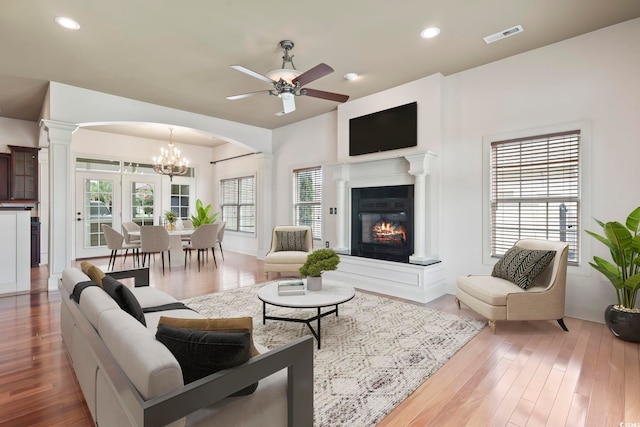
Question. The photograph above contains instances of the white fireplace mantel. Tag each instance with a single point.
(416, 169)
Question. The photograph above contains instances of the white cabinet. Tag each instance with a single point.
(15, 255)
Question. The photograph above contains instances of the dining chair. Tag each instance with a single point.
(203, 238)
(221, 236)
(116, 242)
(154, 239)
(127, 227)
(187, 224)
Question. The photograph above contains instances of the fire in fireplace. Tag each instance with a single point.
(382, 222)
(389, 233)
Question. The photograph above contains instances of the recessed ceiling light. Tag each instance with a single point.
(429, 33)
(351, 76)
(69, 23)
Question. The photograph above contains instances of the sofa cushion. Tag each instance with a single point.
(71, 277)
(522, 266)
(148, 296)
(202, 353)
(94, 303)
(488, 289)
(93, 272)
(231, 324)
(124, 297)
(291, 240)
(148, 364)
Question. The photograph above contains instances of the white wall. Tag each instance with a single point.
(593, 77)
(304, 144)
(17, 132)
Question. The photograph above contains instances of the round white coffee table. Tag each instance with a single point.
(332, 294)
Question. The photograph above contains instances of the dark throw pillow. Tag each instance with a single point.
(124, 297)
(229, 324)
(522, 266)
(291, 240)
(202, 353)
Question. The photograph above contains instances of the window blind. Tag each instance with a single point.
(308, 199)
(238, 203)
(535, 191)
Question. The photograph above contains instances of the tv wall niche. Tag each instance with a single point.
(384, 130)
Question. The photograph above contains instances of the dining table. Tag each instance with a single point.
(175, 244)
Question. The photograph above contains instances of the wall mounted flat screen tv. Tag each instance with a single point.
(384, 130)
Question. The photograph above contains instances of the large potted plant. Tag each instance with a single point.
(203, 215)
(623, 241)
(318, 262)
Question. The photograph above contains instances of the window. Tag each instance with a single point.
(142, 204)
(239, 203)
(307, 205)
(535, 191)
(180, 200)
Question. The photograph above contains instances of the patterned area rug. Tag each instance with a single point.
(373, 356)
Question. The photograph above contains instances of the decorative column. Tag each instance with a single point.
(264, 181)
(341, 176)
(419, 168)
(60, 188)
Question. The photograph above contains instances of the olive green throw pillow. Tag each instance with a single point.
(522, 266)
(93, 272)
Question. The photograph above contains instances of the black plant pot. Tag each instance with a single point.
(623, 324)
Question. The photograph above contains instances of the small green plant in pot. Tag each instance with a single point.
(203, 215)
(318, 262)
(623, 242)
(171, 218)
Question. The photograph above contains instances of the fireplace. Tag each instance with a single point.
(382, 222)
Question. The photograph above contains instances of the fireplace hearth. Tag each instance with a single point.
(382, 222)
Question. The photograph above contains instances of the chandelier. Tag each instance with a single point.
(169, 162)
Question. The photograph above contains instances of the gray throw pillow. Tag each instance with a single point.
(291, 240)
(202, 353)
(522, 266)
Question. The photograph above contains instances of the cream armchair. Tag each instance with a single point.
(500, 299)
(290, 245)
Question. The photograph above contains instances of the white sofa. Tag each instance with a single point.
(128, 378)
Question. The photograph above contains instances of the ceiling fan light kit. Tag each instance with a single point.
(287, 83)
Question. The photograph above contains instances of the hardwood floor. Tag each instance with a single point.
(527, 374)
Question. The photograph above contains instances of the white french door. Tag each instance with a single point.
(98, 201)
(141, 201)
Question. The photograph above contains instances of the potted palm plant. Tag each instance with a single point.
(203, 215)
(623, 241)
(318, 262)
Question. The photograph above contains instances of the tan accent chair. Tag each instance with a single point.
(116, 242)
(499, 299)
(287, 261)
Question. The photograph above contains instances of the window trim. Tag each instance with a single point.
(584, 165)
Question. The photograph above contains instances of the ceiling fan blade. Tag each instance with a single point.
(246, 95)
(288, 102)
(315, 73)
(325, 95)
(252, 73)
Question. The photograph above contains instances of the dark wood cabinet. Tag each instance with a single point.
(35, 242)
(5, 176)
(24, 173)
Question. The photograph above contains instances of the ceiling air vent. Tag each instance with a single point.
(502, 34)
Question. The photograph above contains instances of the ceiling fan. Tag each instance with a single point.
(288, 82)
